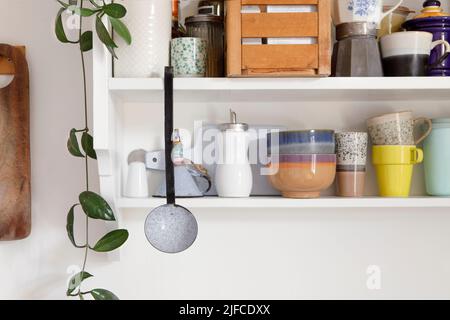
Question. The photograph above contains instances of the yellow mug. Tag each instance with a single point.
(394, 168)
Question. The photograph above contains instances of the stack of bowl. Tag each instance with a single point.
(303, 163)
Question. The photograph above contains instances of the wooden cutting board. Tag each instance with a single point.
(15, 193)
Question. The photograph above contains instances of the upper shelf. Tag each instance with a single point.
(279, 202)
(284, 89)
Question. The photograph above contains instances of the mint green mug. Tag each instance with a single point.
(188, 57)
(437, 158)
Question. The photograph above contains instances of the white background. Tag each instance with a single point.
(253, 254)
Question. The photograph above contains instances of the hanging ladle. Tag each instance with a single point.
(170, 228)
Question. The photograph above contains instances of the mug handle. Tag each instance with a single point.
(427, 133)
(444, 56)
(196, 171)
(385, 14)
(271, 168)
(208, 181)
(417, 155)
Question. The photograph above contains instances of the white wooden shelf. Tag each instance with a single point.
(283, 89)
(336, 103)
(279, 202)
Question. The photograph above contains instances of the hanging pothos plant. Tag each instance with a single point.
(92, 204)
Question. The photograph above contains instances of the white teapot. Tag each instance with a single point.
(345, 11)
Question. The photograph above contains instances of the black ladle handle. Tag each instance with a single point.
(168, 130)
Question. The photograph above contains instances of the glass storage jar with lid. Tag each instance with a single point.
(210, 28)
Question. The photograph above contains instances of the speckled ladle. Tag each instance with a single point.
(170, 228)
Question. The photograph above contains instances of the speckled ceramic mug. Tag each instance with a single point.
(188, 57)
(396, 129)
(351, 152)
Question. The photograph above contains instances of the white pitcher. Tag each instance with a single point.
(345, 11)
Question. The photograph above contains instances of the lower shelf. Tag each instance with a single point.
(279, 202)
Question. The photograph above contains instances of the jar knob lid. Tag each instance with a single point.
(431, 3)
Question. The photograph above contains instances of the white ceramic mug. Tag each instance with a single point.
(346, 11)
(407, 53)
(137, 185)
(396, 129)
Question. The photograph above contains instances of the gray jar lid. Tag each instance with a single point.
(233, 125)
(204, 18)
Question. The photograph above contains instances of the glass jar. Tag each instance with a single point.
(211, 29)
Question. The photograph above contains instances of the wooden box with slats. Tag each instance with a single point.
(310, 30)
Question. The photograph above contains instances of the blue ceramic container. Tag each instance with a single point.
(302, 142)
(439, 26)
(437, 158)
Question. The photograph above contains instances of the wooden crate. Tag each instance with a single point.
(273, 60)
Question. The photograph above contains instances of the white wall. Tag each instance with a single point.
(36, 267)
(251, 254)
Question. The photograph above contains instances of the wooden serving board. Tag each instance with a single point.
(15, 191)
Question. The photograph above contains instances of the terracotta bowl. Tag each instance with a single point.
(303, 175)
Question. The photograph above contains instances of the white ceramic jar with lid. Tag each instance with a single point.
(233, 177)
(150, 24)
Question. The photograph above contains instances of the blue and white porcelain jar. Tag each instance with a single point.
(371, 11)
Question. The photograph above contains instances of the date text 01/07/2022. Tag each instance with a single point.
(226, 310)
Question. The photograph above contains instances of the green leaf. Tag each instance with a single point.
(103, 34)
(112, 52)
(59, 28)
(84, 12)
(72, 144)
(115, 10)
(69, 226)
(64, 5)
(87, 142)
(86, 41)
(76, 280)
(121, 29)
(111, 241)
(103, 294)
(95, 206)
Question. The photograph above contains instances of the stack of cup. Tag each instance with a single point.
(351, 151)
(394, 151)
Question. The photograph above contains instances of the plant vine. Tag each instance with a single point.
(91, 203)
